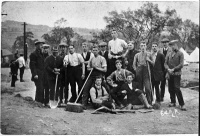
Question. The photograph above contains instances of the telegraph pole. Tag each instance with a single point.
(25, 46)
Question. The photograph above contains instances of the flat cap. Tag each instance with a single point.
(173, 42)
(103, 44)
(38, 42)
(45, 45)
(165, 40)
(63, 44)
(55, 49)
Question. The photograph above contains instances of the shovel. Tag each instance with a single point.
(53, 104)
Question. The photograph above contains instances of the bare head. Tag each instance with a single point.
(131, 45)
(71, 49)
(114, 34)
(155, 46)
(85, 47)
(143, 46)
(95, 50)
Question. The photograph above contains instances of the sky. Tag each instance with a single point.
(85, 14)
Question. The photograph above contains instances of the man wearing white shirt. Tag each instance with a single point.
(116, 50)
(76, 71)
(22, 64)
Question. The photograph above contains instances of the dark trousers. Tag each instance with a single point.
(21, 72)
(162, 87)
(66, 88)
(132, 97)
(117, 95)
(53, 93)
(155, 85)
(39, 95)
(46, 91)
(174, 89)
(14, 79)
(142, 76)
(75, 74)
(87, 87)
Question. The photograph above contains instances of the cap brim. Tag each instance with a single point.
(39, 43)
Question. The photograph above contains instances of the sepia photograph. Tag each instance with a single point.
(99, 67)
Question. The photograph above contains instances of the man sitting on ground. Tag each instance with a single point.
(119, 78)
(134, 95)
(99, 95)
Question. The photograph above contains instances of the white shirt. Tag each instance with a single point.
(117, 45)
(165, 48)
(73, 59)
(154, 55)
(21, 61)
(98, 61)
(130, 86)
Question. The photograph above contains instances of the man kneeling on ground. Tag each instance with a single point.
(134, 95)
(99, 95)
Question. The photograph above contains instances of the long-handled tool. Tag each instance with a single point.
(113, 111)
(152, 93)
(76, 107)
(54, 103)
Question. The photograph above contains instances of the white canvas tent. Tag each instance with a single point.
(194, 56)
(186, 56)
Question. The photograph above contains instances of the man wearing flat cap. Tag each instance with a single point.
(37, 71)
(165, 51)
(53, 66)
(46, 85)
(103, 52)
(174, 63)
(64, 83)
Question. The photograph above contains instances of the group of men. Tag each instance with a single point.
(117, 77)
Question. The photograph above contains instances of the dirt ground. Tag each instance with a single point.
(23, 116)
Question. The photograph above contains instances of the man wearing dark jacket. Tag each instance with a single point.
(103, 52)
(64, 83)
(129, 57)
(37, 70)
(157, 70)
(174, 63)
(53, 66)
(135, 96)
(46, 85)
(165, 51)
(13, 72)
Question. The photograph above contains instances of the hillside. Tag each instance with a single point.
(11, 29)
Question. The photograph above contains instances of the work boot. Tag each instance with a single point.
(172, 104)
(183, 108)
(143, 99)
